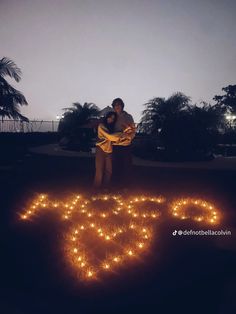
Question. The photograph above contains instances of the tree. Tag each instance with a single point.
(186, 131)
(193, 131)
(10, 98)
(73, 126)
(228, 100)
(210, 117)
(160, 111)
(77, 116)
(227, 103)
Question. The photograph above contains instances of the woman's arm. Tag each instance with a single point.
(102, 132)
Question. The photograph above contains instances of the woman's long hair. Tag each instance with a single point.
(109, 126)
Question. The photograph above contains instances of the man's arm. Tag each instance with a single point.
(130, 130)
(127, 135)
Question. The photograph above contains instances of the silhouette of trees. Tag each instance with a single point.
(77, 116)
(227, 103)
(73, 126)
(159, 112)
(193, 132)
(186, 131)
(228, 100)
(10, 98)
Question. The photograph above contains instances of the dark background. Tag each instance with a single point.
(181, 274)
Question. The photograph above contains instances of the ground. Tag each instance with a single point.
(180, 275)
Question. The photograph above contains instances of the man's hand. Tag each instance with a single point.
(129, 129)
(124, 135)
(128, 134)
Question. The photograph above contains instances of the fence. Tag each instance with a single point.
(17, 126)
(31, 126)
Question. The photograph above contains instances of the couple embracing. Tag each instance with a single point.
(113, 147)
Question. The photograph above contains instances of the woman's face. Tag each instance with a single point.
(111, 119)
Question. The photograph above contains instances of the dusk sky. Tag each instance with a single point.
(95, 51)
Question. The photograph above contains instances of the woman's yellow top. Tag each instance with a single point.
(105, 138)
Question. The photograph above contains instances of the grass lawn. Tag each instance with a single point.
(179, 275)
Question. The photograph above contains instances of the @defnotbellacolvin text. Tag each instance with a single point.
(201, 232)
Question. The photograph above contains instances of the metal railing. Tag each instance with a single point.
(17, 126)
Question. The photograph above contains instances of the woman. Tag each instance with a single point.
(106, 137)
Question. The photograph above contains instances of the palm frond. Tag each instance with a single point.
(8, 67)
(9, 94)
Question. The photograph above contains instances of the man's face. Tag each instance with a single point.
(118, 108)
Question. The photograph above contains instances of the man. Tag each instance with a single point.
(122, 153)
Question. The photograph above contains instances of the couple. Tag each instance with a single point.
(113, 147)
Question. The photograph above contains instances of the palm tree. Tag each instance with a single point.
(76, 134)
(160, 111)
(77, 116)
(186, 131)
(210, 117)
(10, 98)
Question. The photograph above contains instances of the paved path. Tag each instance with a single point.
(219, 163)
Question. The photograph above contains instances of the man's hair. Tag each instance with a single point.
(118, 101)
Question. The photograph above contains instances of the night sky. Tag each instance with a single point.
(95, 51)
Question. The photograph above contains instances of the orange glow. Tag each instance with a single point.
(181, 208)
(108, 232)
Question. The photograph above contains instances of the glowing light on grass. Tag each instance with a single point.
(183, 209)
(120, 256)
(108, 232)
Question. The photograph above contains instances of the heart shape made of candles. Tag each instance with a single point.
(93, 249)
(109, 239)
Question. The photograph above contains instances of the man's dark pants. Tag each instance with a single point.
(122, 165)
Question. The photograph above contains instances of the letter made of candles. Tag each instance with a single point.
(108, 232)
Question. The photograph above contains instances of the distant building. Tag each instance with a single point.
(93, 122)
(104, 111)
